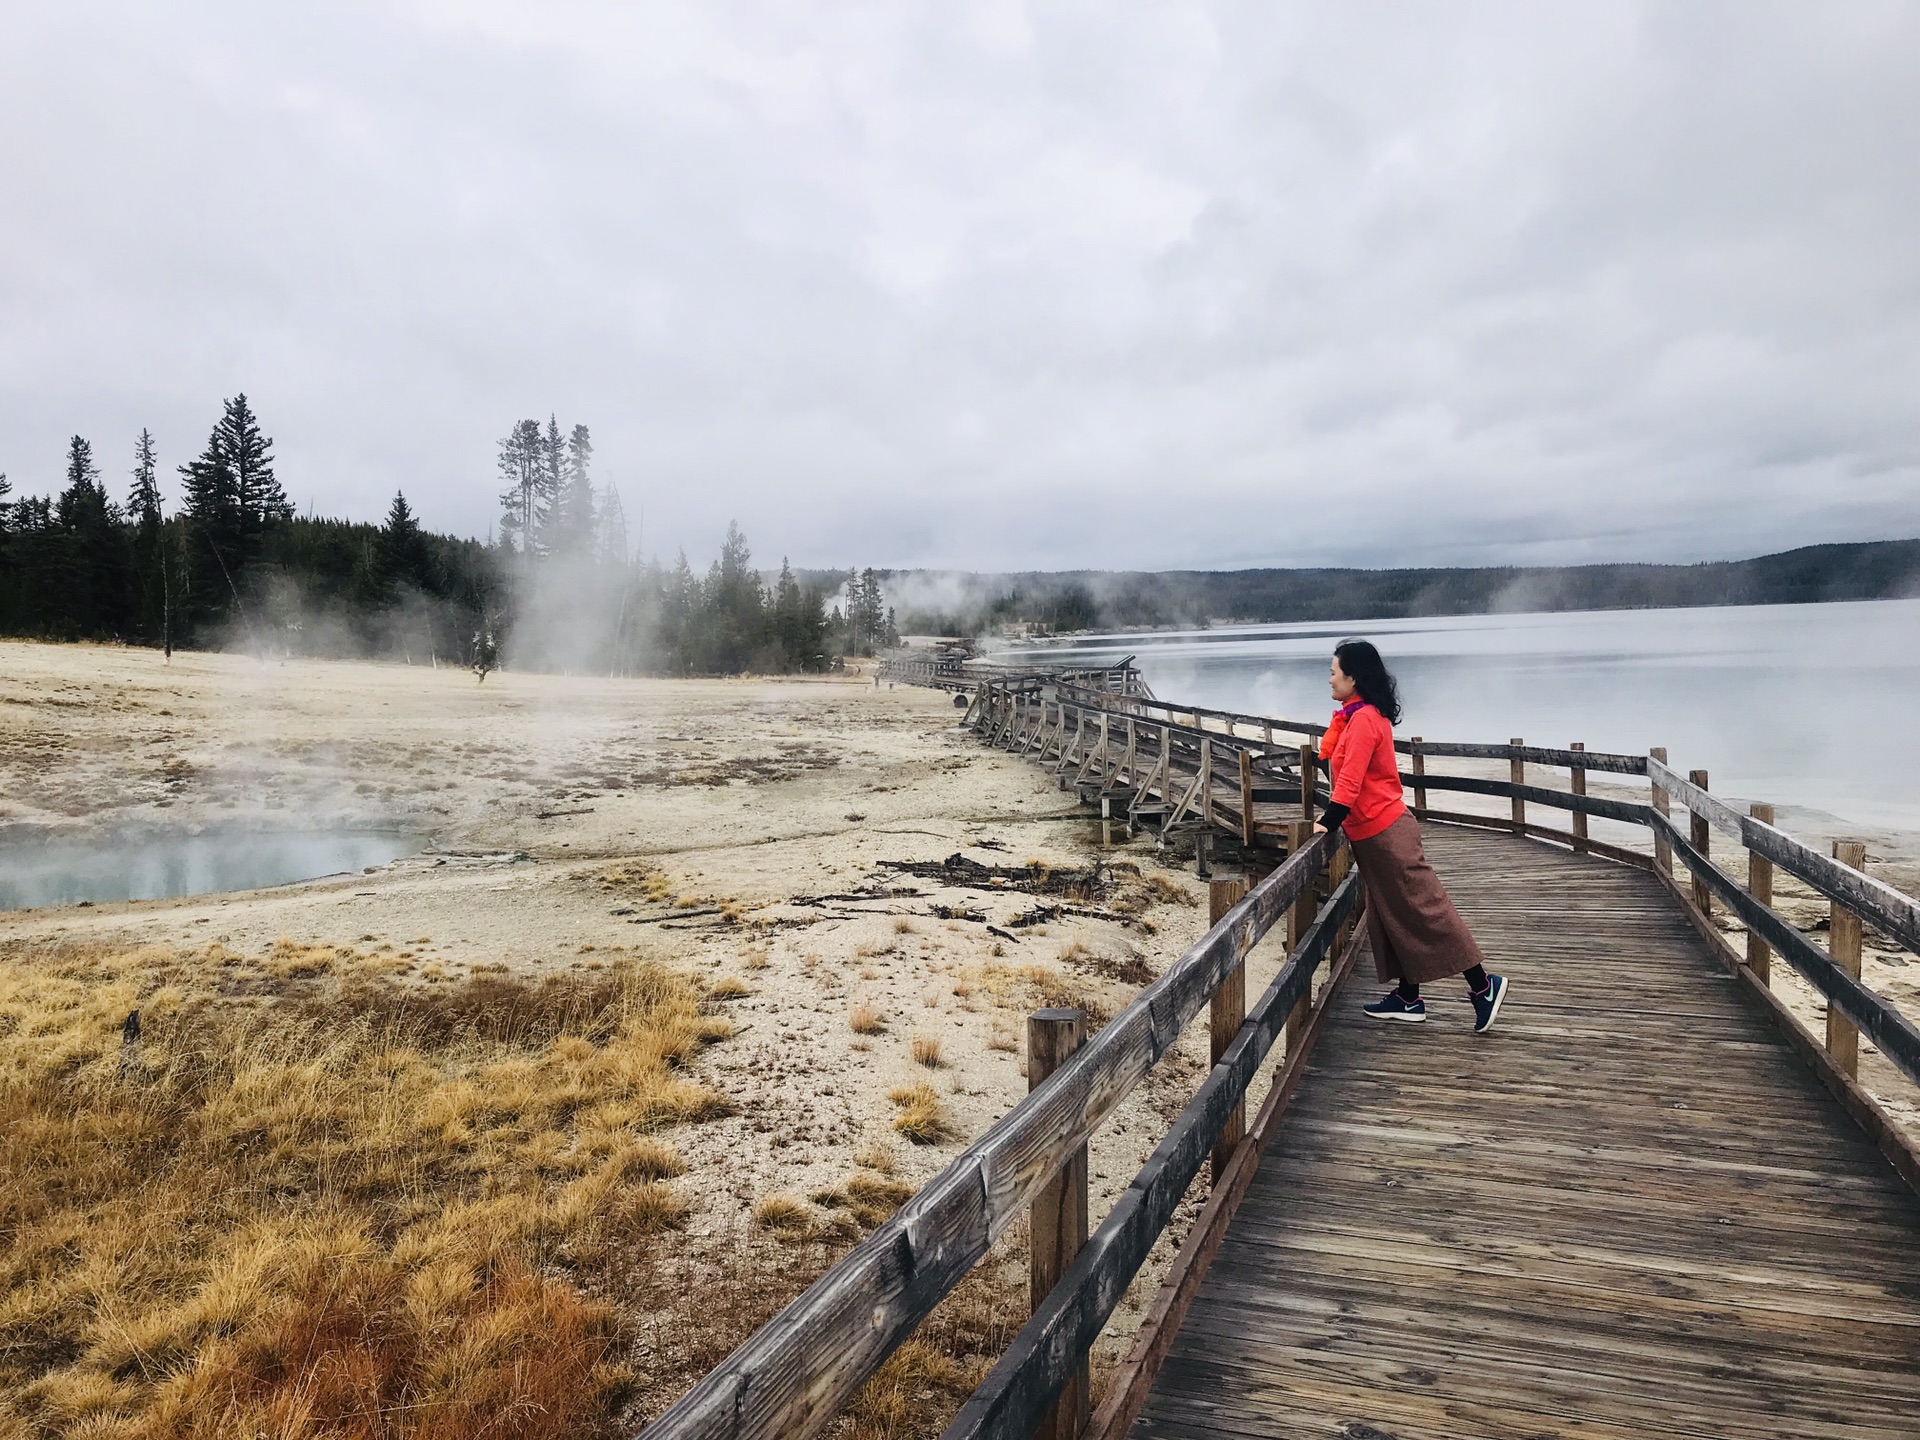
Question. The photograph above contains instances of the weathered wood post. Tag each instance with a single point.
(1662, 851)
(1299, 917)
(1578, 785)
(1517, 772)
(1760, 887)
(1309, 775)
(1206, 783)
(1843, 944)
(1106, 822)
(1419, 774)
(1701, 834)
(1246, 798)
(1229, 1012)
(1059, 1217)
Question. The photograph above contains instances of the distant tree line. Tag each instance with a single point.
(559, 588)
(1092, 599)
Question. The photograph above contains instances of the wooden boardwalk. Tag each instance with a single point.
(1629, 1211)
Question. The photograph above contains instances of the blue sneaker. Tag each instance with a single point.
(1392, 1006)
(1486, 1008)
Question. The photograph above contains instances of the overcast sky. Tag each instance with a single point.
(994, 285)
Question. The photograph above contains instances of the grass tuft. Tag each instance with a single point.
(728, 987)
(783, 1214)
(926, 1051)
(865, 1019)
(922, 1118)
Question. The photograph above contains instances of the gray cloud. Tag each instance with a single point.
(995, 285)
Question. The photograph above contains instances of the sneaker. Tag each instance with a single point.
(1392, 1006)
(1486, 1008)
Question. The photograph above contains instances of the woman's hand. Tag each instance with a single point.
(1318, 828)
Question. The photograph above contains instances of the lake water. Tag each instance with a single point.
(154, 866)
(1806, 705)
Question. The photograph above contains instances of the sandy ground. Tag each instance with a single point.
(747, 830)
(742, 829)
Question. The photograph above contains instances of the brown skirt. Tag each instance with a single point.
(1417, 934)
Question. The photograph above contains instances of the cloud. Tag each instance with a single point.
(997, 286)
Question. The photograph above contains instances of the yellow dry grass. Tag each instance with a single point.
(728, 987)
(922, 1118)
(865, 1019)
(782, 1213)
(926, 1051)
(315, 1201)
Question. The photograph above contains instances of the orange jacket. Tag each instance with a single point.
(1366, 774)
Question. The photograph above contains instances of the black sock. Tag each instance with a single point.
(1477, 980)
(1409, 990)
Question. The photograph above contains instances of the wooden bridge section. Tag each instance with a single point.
(1650, 1202)
(1628, 1211)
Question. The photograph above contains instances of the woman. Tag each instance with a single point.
(1417, 935)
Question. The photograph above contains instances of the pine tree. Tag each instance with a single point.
(613, 528)
(521, 466)
(92, 560)
(400, 553)
(149, 548)
(576, 518)
(249, 455)
(553, 486)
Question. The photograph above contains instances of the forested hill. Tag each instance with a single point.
(1871, 570)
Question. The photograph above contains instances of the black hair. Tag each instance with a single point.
(1370, 676)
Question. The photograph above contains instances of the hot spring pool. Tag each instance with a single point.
(157, 865)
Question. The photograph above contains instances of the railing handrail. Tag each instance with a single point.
(793, 1376)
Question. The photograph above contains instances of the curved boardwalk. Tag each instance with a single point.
(1629, 1211)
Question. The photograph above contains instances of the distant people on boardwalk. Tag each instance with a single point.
(1418, 937)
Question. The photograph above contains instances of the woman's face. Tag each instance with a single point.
(1341, 682)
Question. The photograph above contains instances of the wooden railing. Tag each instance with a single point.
(793, 1377)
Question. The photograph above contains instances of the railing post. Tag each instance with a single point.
(1246, 798)
(1578, 785)
(1419, 774)
(1206, 783)
(1059, 1217)
(1701, 834)
(1106, 822)
(1229, 1013)
(1299, 917)
(1662, 851)
(1517, 772)
(1843, 944)
(1309, 759)
(1760, 887)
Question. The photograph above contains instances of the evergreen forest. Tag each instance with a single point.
(235, 567)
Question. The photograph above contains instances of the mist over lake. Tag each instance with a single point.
(1806, 705)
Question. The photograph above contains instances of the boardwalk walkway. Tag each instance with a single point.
(1630, 1211)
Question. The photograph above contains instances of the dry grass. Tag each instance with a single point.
(865, 1019)
(312, 1201)
(876, 1155)
(922, 1118)
(926, 1051)
(728, 987)
(783, 1213)
(903, 926)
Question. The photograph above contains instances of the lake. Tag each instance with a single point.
(1805, 705)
